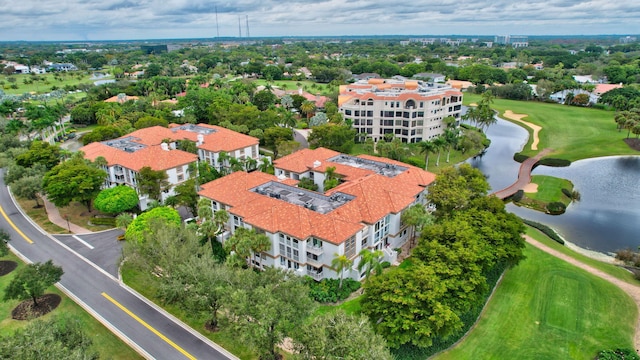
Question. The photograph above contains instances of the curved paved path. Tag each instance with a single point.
(54, 216)
(524, 176)
(632, 290)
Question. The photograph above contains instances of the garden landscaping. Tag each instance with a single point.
(547, 194)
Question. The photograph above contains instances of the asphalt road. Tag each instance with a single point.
(147, 328)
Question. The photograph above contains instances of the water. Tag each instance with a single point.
(608, 216)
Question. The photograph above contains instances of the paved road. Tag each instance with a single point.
(148, 329)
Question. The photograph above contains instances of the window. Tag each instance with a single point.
(180, 177)
(370, 113)
(237, 221)
(381, 229)
(347, 112)
(289, 247)
(350, 247)
(365, 242)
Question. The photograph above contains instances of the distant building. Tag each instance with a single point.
(154, 49)
(628, 39)
(411, 110)
(63, 67)
(513, 40)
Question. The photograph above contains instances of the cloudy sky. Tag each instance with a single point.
(160, 19)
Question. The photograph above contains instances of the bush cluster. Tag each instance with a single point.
(328, 291)
(545, 230)
(520, 157)
(618, 354)
(556, 208)
(554, 162)
(517, 197)
(567, 193)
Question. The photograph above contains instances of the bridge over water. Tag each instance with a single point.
(524, 176)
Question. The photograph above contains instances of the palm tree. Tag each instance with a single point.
(417, 217)
(450, 138)
(286, 101)
(223, 159)
(426, 147)
(259, 244)
(307, 108)
(439, 142)
(621, 118)
(265, 165)
(341, 263)
(370, 261)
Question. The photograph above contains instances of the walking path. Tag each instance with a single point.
(524, 176)
(632, 290)
(54, 216)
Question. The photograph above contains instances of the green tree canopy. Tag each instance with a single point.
(40, 152)
(73, 180)
(335, 137)
(141, 225)
(116, 200)
(32, 281)
(152, 182)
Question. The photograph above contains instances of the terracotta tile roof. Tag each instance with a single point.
(122, 100)
(152, 156)
(603, 88)
(375, 196)
(274, 215)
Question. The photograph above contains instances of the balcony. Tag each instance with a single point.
(315, 275)
(316, 250)
(314, 263)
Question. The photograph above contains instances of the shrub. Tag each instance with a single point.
(415, 161)
(517, 197)
(385, 264)
(567, 193)
(308, 184)
(328, 291)
(554, 162)
(520, 157)
(556, 208)
(545, 230)
(618, 354)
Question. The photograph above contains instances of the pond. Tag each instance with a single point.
(606, 219)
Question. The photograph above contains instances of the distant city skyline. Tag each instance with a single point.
(49, 20)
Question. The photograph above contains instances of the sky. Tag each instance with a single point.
(55, 20)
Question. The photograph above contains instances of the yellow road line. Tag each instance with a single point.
(189, 356)
(6, 217)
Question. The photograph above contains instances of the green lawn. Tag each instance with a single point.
(308, 86)
(42, 86)
(572, 132)
(550, 188)
(351, 307)
(105, 342)
(547, 309)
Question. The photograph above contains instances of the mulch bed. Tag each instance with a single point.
(26, 311)
(633, 143)
(7, 266)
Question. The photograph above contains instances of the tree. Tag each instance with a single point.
(336, 335)
(335, 137)
(319, 118)
(152, 182)
(266, 166)
(40, 152)
(28, 187)
(273, 136)
(32, 280)
(455, 188)
(284, 305)
(331, 179)
(370, 261)
(287, 147)
(187, 196)
(417, 217)
(450, 139)
(307, 108)
(439, 143)
(141, 225)
(116, 200)
(123, 220)
(73, 180)
(244, 243)
(426, 147)
(340, 263)
(199, 285)
(264, 99)
(406, 306)
(57, 338)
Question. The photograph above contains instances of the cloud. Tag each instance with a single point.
(135, 19)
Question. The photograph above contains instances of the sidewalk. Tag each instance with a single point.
(56, 218)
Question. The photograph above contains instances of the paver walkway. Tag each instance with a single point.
(632, 290)
(54, 216)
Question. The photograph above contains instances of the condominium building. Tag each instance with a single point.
(308, 228)
(156, 147)
(411, 110)
(513, 40)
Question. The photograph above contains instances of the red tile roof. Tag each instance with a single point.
(152, 156)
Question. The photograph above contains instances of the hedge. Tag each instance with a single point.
(518, 195)
(103, 221)
(520, 157)
(554, 162)
(556, 208)
(567, 193)
(618, 354)
(545, 230)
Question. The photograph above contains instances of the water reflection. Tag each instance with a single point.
(608, 216)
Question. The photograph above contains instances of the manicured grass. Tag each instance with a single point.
(80, 215)
(106, 343)
(351, 307)
(147, 286)
(308, 86)
(39, 216)
(572, 132)
(550, 188)
(610, 269)
(44, 85)
(546, 308)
